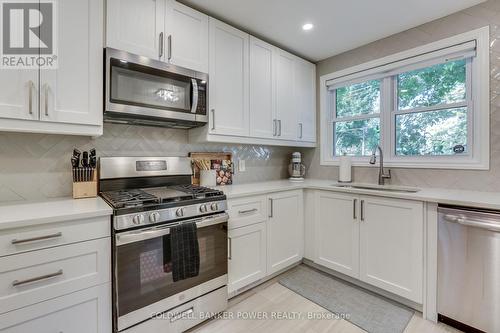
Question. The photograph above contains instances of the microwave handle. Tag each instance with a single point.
(194, 85)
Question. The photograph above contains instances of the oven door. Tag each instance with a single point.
(142, 88)
(143, 279)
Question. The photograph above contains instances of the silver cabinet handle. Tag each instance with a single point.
(30, 106)
(362, 209)
(160, 46)
(182, 314)
(247, 211)
(169, 47)
(17, 283)
(271, 208)
(279, 124)
(354, 208)
(213, 119)
(300, 130)
(274, 127)
(230, 249)
(46, 89)
(35, 239)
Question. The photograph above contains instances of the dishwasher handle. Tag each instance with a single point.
(472, 222)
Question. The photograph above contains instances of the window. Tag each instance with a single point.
(426, 107)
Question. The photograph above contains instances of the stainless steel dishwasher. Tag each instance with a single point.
(469, 268)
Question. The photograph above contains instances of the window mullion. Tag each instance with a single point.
(385, 118)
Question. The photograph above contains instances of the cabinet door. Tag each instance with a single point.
(262, 89)
(72, 93)
(228, 87)
(391, 251)
(136, 26)
(286, 110)
(85, 311)
(337, 232)
(19, 94)
(285, 236)
(247, 255)
(305, 93)
(187, 37)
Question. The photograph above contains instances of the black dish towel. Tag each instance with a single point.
(185, 251)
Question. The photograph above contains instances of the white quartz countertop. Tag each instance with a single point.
(57, 210)
(487, 200)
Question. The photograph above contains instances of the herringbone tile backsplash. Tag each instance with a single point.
(36, 166)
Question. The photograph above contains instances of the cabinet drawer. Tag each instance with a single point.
(14, 241)
(246, 211)
(86, 311)
(33, 277)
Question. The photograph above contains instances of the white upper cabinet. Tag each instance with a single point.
(136, 26)
(66, 99)
(305, 94)
(228, 72)
(262, 89)
(286, 109)
(19, 94)
(72, 93)
(186, 37)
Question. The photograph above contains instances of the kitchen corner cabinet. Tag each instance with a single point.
(285, 241)
(159, 29)
(376, 240)
(67, 99)
(247, 255)
(258, 93)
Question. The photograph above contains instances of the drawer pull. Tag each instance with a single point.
(182, 314)
(247, 211)
(17, 283)
(36, 239)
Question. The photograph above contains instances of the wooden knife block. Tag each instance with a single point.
(85, 189)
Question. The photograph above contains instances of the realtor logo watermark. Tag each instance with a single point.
(28, 34)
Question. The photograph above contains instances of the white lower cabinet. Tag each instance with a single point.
(247, 255)
(391, 245)
(56, 277)
(265, 236)
(86, 311)
(285, 236)
(374, 239)
(337, 232)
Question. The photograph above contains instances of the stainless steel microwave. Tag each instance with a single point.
(143, 91)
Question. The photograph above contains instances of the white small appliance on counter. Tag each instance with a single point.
(296, 169)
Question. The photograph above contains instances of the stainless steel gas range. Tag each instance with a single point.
(151, 198)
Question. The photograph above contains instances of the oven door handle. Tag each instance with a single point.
(159, 231)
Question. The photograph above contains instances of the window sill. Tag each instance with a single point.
(460, 165)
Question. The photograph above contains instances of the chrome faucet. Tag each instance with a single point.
(381, 175)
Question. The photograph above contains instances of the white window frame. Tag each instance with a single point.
(478, 104)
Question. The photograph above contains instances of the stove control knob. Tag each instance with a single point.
(138, 219)
(179, 212)
(154, 217)
(203, 208)
(214, 206)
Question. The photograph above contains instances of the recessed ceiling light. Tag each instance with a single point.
(307, 26)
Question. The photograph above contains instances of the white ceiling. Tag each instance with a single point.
(339, 26)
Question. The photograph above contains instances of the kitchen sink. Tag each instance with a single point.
(375, 187)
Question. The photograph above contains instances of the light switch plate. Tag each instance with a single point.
(241, 166)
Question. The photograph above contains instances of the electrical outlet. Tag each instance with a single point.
(241, 166)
